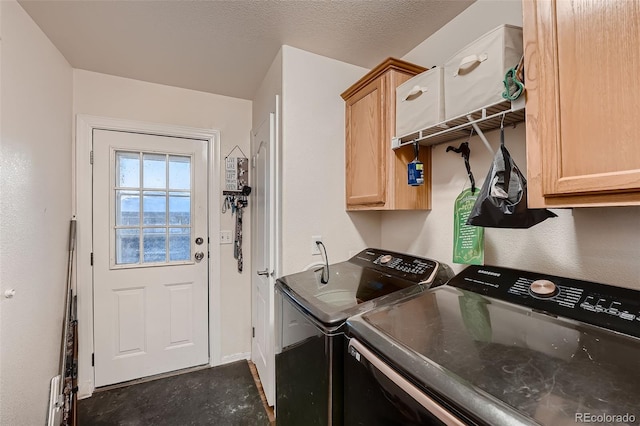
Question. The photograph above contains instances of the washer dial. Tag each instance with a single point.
(543, 288)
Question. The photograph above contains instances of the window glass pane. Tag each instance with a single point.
(155, 247)
(127, 246)
(145, 194)
(128, 169)
(179, 244)
(179, 208)
(179, 172)
(154, 171)
(154, 208)
(127, 208)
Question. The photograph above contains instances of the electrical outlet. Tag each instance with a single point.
(226, 237)
(314, 247)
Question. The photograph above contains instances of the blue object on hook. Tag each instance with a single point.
(415, 169)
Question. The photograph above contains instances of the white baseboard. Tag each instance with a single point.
(227, 359)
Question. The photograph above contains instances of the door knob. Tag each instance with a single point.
(199, 256)
(265, 272)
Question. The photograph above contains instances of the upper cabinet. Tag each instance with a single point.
(376, 175)
(583, 102)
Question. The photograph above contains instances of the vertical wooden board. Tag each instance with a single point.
(405, 196)
(534, 113)
(409, 197)
(598, 62)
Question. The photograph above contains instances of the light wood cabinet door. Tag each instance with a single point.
(365, 153)
(583, 102)
(376, 175)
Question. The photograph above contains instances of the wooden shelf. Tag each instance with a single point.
(486, 119)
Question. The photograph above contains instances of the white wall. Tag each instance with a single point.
(473, 22)
(35, 205)
(313, 162)
(109, 96)
(598, 244)
(264, 100)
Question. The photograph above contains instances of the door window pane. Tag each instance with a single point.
(127, 208)
(179, 208)
(154, 171)
(155, 244)
(179, 172)
(179, 244)
(128, 169)
(154, 208)
(127, 246)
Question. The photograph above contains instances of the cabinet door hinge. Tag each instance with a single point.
(93, 360)
(253, 332)
(91, 157)
(91, 259)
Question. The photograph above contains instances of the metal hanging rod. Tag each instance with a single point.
(482, 120)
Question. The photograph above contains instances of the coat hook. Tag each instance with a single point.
(465, 152)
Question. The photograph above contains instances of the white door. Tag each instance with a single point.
(263, 251)
(150, 255)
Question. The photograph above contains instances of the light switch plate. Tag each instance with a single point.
(226, 237)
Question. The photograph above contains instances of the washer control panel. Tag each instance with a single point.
(543, 288)
(411, 268)
(602, 305)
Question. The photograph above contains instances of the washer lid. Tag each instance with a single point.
(500, 360)
(369, 279)
(351, 289)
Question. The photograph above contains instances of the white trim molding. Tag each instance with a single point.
(82, 210)
(228, 359)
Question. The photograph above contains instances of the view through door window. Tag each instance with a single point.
(152, 208)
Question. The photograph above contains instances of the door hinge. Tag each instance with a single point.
(91, 157)
(91, 259)
(253, 332)
(93, 360)
(208, 255)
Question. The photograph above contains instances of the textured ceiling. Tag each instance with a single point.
(226, 47)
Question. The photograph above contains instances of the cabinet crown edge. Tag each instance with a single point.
(386, 65)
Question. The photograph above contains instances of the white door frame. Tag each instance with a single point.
(82, 211)
(268, 382)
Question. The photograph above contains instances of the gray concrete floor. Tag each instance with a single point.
(224, 395)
